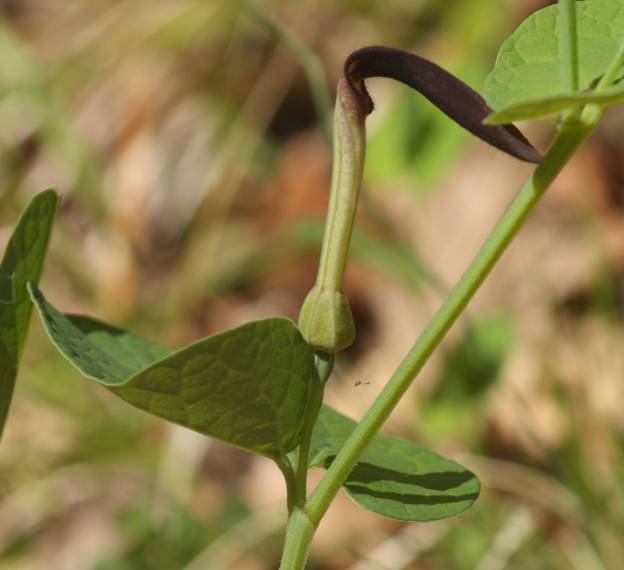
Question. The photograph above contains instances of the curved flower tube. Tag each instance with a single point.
(326, 320)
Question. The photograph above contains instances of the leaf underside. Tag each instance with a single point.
(528, 68)
(395, 477)
(247, 386)
(22, 262)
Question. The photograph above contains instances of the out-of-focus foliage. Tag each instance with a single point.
(186, 145)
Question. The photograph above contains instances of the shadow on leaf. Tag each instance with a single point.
(369, 473)
(411, 499)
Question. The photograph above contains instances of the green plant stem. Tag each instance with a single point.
(324, 365)
(285, 466)
(570, 137)
(299, 533)
(614, 68)
(303, 460)
(568, 46)
(566, 143)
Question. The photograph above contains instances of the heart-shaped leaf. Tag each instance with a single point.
(395, 477)
(248, 386)
(22, 262)
(528, 68)
(558, 103)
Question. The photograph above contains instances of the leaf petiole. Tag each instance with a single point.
(285, 466)
(324, 363)
(614, 68)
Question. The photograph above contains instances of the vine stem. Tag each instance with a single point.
(301, 473)
(324, 364)
(301, 525)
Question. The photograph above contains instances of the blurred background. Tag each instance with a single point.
(188, 141)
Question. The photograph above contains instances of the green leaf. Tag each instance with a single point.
(8, 359)
(6, 289)
(527, 67)
(394, 477)
(248, 386)
(25, 254)
(537, 109)
(22, 262)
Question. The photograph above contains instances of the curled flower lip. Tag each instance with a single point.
(447, 92)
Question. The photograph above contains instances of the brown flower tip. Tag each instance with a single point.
(447, 92)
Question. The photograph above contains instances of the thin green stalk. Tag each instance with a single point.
(288, 472)
(324, 365)
(301, 474)
(569, 138)
(593, 113)
(614, 68)
(299, 533)
(568, 46)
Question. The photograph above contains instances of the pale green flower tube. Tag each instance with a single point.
(326, 321)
